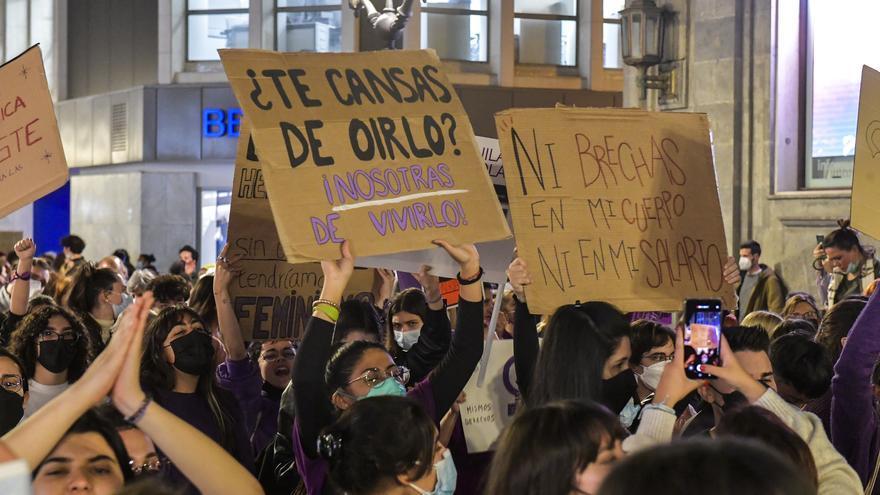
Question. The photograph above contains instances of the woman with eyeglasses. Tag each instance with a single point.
(13, 391)
(652, 347)
(258, 378)
(326, 382)
(55, 349)
(177, 370)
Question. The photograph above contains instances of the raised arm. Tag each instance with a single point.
(226, 271)
(450, 376)
(207, 465)
(34, 438)
(313, 408)
(436, 334)
(852, 405)
(525, 328)
(21, 287)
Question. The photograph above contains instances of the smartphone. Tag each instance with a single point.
(702, 336)
(820, 239)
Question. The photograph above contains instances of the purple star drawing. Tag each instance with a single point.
(24, 72)
(47, 155)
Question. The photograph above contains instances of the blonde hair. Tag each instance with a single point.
(766, 320)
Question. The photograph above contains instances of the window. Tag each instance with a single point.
(215, 24)
(308, 26)
(213, 221)
(611, 56)
(456, 29)
(545, 32)
(834, 69)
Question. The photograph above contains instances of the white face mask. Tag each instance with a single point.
(650, 375)
(745, 263)
(407, 339)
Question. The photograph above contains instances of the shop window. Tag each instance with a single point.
(215, 24)
(213, 222)
(308, 26)
(545, 32)
(838, 44)
(456, 29)
(611, 56)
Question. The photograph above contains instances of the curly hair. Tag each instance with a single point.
(169, 289)
(23, 342)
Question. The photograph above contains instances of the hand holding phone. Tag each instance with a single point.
(702, 336)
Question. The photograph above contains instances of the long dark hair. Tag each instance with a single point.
(376, 440)
(844, 238)
(545, 446)
(87, 283)
(411, 300)
(356, 315)
(836, 324)
(577, 342)
(201, 299)
(23, 342)
(157, 374)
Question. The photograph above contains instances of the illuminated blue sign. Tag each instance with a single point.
(217, 122)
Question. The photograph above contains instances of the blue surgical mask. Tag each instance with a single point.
(406, 339)
(447, 477)
(390, 387)
(853, 267)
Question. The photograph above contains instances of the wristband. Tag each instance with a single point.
(327, 310)
(21, 276)
(471, 281)
(325, 301)
(134, 418)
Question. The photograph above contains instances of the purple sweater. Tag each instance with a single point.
(260, 409)
(854, 419)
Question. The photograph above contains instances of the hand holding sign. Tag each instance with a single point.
(337, 273)
(518, 277)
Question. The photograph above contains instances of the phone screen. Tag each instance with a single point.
(820, 239)
(702, 336)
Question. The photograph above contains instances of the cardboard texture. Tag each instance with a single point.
(373, 147)
(614, 205)
(491, 406)
(272, 298)
(865, 203)
(32, 162)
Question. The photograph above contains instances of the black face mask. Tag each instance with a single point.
(618, 390)
(56, 355)
(193, 353)
(11, 410)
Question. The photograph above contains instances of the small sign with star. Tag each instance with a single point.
(32, 162)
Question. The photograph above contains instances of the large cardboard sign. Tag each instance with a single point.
(32, 162)
(865, 203)
(374, 147)
(614, 205)
(272, 298)
(490, 405)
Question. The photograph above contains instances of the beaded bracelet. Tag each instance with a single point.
(139, 414)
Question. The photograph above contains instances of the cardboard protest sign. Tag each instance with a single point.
(272, 298)
(865, 203)
(374, 147)
(490, 152)
(491, 406)
(614, 205)
(32, 162)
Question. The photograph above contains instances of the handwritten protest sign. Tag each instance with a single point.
(491, 406)
(865, 203)
(272, 298)
(614, 205)
(32, 162)
(374, 147)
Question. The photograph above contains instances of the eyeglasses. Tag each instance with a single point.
(10, 383)
(273, 355)
(152, 466)
(375, 376)
(51, 336)
(659, 357)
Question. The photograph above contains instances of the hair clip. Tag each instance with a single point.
(329, 445)
(577, 304)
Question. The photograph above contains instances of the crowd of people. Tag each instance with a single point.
(116, 378)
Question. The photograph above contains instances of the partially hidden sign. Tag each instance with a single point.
(490, 406)
(272, 298)
(32, 162)
(865, 203)
(614, 205)
(374, 147)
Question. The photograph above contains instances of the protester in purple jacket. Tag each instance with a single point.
(258, 380)
(325, 382)
(854, 418)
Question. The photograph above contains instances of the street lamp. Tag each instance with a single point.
(642, 36)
